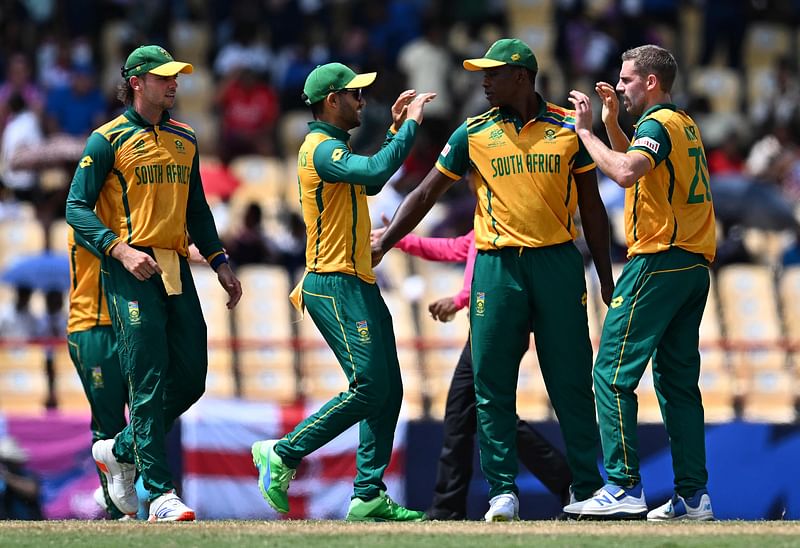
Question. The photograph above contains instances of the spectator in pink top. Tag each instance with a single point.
(454, 470)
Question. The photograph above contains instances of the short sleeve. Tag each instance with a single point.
(652, 140)
(454, 158)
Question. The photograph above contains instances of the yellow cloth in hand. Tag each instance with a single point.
(167, 259)
(296, 296)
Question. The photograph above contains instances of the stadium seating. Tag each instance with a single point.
(57, 235)
(70, 395)
(268, 375)
(790, 296)
(768, 386)
(190, 42)
(722, 86)
(23, 384)
(765, 42)
(19, 237)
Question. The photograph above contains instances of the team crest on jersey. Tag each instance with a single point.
(480, 303)
(179, 146)
(97, 377)
(648, 143)
(363, 330)
(550, 135)
(86, 161)
(134, 317)
(496, 138)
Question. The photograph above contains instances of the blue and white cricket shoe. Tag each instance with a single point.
(611, 502)
(696, 508)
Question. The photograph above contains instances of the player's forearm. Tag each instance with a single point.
(414, 208)
(616, 165)
(87, 225)
(371, 171)
(619, 141)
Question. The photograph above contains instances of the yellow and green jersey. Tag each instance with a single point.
(87, 302)
(140, 183)
(525, 184)
(671, 205)
(334, 185)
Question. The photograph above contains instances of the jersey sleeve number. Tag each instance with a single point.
(700, 171)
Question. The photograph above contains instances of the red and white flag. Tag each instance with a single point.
(221, 482)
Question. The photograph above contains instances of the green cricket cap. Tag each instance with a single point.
(506, 51)
(155, 60)
(333, 77)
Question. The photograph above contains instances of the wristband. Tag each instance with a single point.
(218, 260)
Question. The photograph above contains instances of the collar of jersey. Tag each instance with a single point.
(137, 118)
(328, 129)
(511, 115)
(654, 108)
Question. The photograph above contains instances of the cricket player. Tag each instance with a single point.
(532, 176)
(137, 197)
(661, 295)
(340, 292)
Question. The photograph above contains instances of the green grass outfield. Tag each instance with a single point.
(309, 534)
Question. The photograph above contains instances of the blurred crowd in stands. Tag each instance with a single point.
(60, 63)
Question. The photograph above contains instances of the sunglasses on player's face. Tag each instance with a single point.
(355, 92)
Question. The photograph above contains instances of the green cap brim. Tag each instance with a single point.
(482, 63)
(172, 68)
(361, 80)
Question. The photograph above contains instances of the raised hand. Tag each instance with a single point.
(415, 107)
(583, 110)
(400, 107)
(608, 95)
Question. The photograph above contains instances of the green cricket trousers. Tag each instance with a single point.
(162, 346)
(543, 290)
(656, 311)
(94, 355)
(354, 320)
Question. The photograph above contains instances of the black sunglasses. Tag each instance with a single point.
(357, 93)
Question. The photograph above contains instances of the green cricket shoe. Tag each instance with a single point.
(381, 508)
(272, 470)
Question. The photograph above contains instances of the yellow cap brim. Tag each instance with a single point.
(361, 80)
(482, 63)
(172, 68)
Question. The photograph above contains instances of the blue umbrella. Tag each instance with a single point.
(47, 272)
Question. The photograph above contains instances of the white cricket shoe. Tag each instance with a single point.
(100, 499)
(169, 507)
(611, 502)
(696, 508)
(121, 477)
(503, 507)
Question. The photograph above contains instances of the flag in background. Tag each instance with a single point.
(220, 480)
